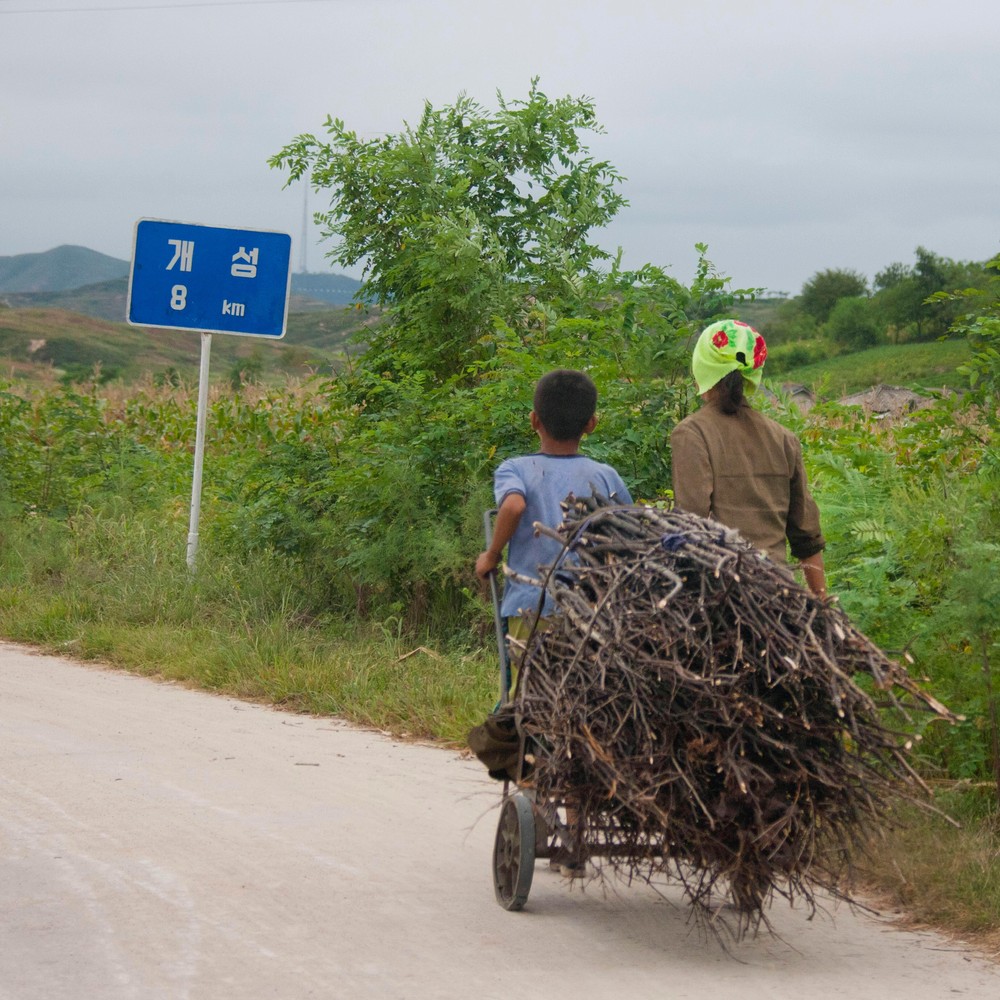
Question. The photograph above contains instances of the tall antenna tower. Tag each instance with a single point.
(305, 224)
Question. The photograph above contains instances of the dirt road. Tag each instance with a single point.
(157, 842)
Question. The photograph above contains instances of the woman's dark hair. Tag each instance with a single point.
(728, 393)
(564, 402)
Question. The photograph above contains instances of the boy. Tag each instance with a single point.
(529, 489)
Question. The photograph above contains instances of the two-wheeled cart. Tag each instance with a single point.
(528, 829)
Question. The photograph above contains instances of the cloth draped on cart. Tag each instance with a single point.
(497, 744)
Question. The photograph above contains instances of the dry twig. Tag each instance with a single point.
(701, 709)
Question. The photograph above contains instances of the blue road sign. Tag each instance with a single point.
(187, 277)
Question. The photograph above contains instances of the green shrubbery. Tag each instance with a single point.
(337, 506)
(837, 313)
(911, 520)
(782, 358)
(315, 511)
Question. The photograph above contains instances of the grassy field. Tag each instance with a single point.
(916, 366)
(117, 590)
(111, 585)
(40, 345)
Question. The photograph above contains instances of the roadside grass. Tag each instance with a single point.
(371, 680)
(115, 589)
(938, 876)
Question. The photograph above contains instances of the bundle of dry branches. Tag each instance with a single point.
(707, 716)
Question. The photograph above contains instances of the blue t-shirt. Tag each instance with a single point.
(545, 481)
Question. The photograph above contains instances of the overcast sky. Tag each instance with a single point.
(789, 136)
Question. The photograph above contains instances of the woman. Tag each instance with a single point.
(739, 467)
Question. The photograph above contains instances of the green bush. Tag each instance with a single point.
(784, 357)
(853, 324)
(911, 520)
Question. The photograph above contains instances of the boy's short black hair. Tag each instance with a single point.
(565, 400)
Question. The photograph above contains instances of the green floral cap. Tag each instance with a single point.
(728, 346)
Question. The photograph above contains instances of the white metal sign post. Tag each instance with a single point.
(190, 277)
(199, 450)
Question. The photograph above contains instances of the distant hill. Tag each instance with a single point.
(58, 270)
(63, 312)
(42, 344)
(108, 299)
(103, 300)
(91, 283)
(334, 289)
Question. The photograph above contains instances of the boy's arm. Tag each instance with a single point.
(508, 518)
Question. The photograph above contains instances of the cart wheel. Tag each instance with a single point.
(514, 853)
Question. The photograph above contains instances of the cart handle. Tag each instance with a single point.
(498, 621)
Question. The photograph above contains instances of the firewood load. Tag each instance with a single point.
(710, 719)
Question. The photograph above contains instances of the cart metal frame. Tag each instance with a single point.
(527, 829)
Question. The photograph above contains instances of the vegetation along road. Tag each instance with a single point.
(161, 842)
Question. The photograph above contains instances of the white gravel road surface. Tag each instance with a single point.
(157, 842)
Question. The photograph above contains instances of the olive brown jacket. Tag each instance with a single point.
(745, 471)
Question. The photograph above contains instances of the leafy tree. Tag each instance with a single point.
(455, 218)
(826, 288)
(892, 275)
(473, 229)
(788, 324)
(907, 300)
(978, 319)
(852, 324)
(933, 273)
